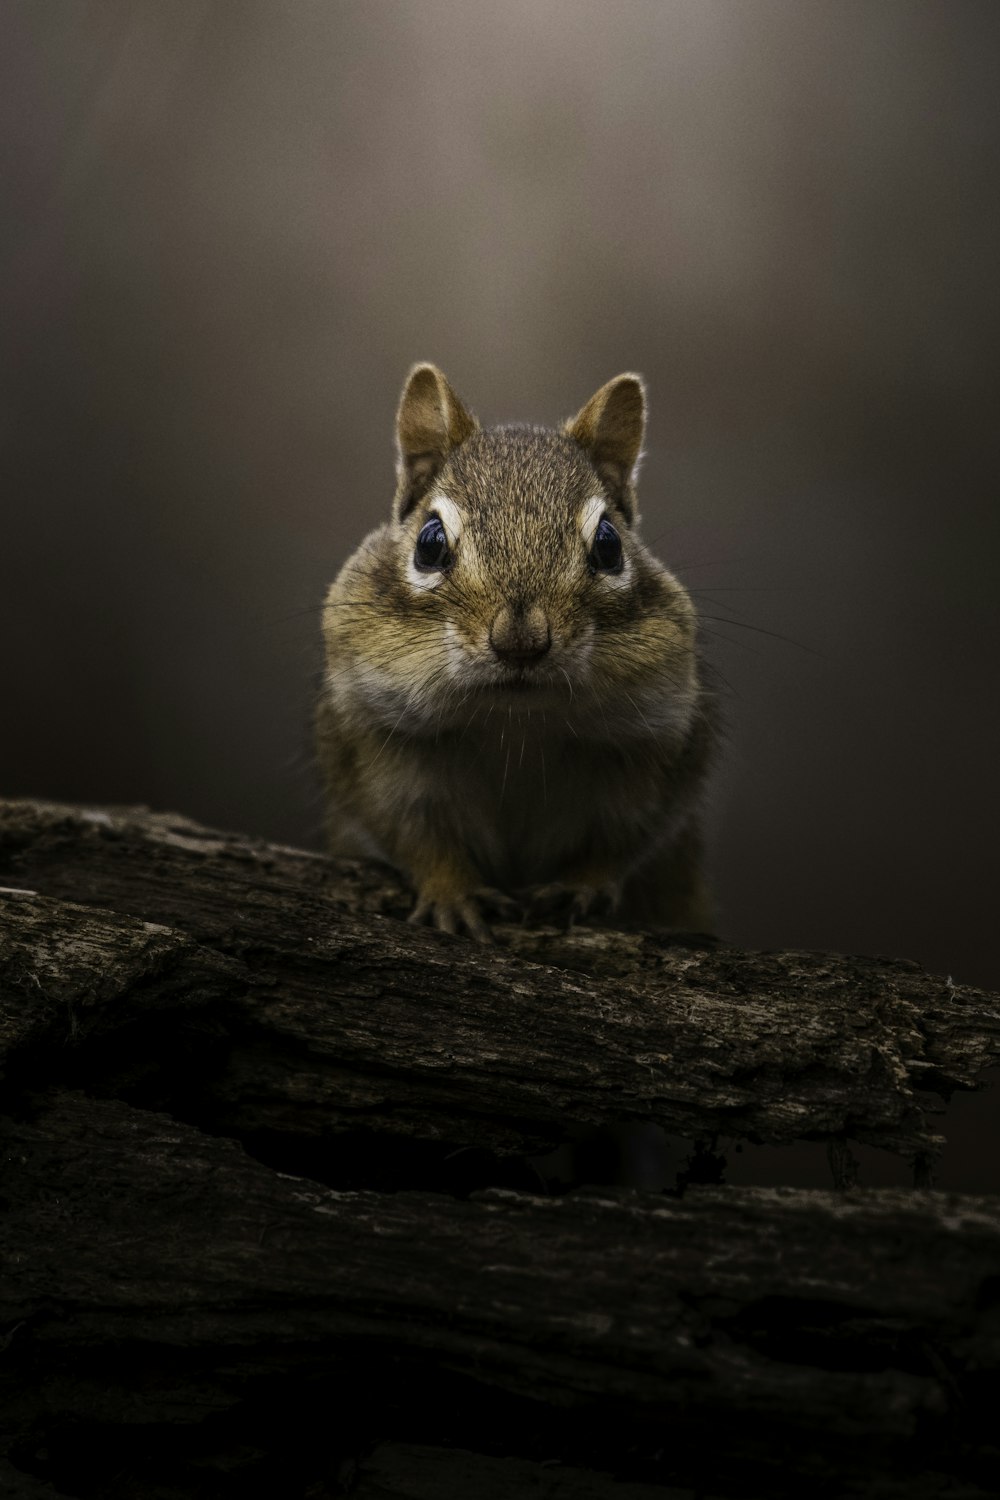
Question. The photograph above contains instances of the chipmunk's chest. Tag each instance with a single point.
(531, 800)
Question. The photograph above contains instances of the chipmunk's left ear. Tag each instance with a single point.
(431, 421)
(610, 428)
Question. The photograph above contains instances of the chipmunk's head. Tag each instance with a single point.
(512, 565)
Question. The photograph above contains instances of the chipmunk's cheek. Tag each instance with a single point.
(573, 651)
(459, 655)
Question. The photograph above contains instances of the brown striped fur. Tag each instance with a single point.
(579, 774)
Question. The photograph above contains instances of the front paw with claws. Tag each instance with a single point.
(465, 913)
(569, 902)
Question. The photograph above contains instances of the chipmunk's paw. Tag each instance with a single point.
(454, 914)
(499, 905)
(569, 902)
(466, 912)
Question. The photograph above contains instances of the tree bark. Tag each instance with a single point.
(267, 991)
(215, 1056)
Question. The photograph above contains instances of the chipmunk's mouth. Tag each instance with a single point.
(522, 686)
(523, 682)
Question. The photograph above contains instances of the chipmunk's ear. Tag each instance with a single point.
(431, 421)
(610, 429)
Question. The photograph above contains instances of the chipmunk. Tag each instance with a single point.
(512, 700)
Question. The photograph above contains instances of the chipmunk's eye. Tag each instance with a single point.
(606, 550)
(432, 547)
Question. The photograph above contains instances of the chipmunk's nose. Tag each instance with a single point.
(520, 637)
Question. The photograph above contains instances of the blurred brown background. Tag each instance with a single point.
(226, 232)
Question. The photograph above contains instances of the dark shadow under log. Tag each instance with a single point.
(157, 1276)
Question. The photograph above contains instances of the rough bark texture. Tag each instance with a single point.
(314, 1015)
(183, 1313)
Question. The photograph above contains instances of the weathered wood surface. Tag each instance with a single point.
(160, 1280)
(185, 1314)
(252, 987)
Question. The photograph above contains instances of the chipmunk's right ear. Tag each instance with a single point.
(610, 430)
(431, 421)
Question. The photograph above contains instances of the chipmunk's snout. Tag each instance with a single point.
(520, 637)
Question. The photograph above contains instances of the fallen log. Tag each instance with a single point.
(257, 990)
(181, 1316)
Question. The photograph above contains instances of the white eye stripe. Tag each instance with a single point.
(449, 515)
(422, 578)
(589, 517)
(592, 513)
(620, 580)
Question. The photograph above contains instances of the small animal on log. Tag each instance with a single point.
(513, 706)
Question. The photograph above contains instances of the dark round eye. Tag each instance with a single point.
(606, 551)
(432, 546)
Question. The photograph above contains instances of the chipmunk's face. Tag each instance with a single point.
(533, 576)
(512, 572)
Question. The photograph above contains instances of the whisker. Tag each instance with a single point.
(717, 635)
(639, 711)
(506, 765)
(541, 746)
(760, 630)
